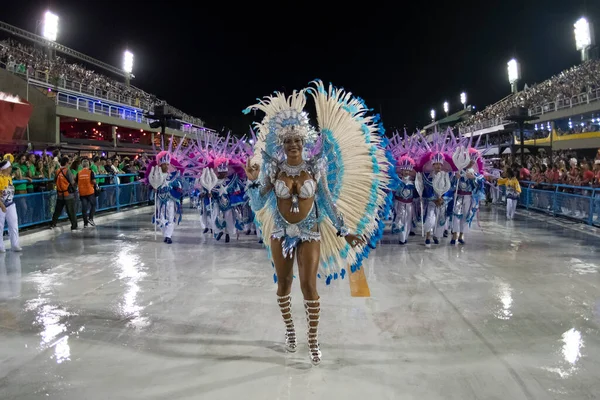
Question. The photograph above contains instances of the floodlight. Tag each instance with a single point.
(583, 34)
(50, 29)
(432, 113)
(514, 71)
(128, 61)
(446, 107)
(463, 98)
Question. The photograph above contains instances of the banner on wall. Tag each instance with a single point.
(14, 117)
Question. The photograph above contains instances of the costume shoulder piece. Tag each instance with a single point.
(356, 171)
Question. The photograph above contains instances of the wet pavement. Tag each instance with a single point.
(110, 313)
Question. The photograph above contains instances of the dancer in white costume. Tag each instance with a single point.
(470, 186)
(169, 192)
(436, 194)
(227, 195)
(306, 206)
(404, 198)
(8, 209)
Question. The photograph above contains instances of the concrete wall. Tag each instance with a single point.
(42, 124)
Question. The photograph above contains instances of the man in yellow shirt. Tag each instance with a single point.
(513, 191)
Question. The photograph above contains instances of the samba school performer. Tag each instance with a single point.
(405, 196)
(166, 175)
(318, 204)
(224, 188)
(166, 182)
(435, 166)
(470, 189)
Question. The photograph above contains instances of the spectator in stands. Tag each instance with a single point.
(65, 189)
(597, 173)
(86, 184)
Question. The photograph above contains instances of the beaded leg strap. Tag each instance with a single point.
(313, 312)
(285, 305)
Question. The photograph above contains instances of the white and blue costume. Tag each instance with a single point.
(467, 200)
(169, 193)
(403, 208)
(435, 219)
(226, 196)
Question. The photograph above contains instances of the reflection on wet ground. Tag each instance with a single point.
(112, 313)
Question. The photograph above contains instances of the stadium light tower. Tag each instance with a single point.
(584, 37)
(432, 114)
(514, 74)
(128, 65)
(446, 108)
(463, 100)
(50, 28)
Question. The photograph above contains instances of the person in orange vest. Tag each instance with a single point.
(65, 194)
(86, 182)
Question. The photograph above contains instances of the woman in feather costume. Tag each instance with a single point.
(320, 207)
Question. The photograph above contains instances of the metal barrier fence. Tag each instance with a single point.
(120, 191)
(579, 203)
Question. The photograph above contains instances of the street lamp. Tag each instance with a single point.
(463, 99)
(432, 114)
(584, 37)
(514, 74)
(446, 108)
(50, 28)
(128, 65)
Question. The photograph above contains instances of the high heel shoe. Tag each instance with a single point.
(285, 306)
(313, 312)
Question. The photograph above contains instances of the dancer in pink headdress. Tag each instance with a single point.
(223, 186)
(403, 150)
(436, 166)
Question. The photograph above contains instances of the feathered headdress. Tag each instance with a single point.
(406, 163)
(222, 164)
(284, 118)
(163, 158)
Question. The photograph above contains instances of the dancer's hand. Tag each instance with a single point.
(439, 202)
(252, 171)
(354, 240)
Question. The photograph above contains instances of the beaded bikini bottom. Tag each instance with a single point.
(293, 234)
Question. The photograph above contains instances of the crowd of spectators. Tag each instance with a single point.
(565, 168)
(28, 60)
(580, 79)
(36, 172)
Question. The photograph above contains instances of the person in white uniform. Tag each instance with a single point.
(8, 209)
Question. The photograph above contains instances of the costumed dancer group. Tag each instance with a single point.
(211, 172)
(442, 183)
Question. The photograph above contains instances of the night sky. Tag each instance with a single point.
(212, 60)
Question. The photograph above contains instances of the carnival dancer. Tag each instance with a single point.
(169, 192)
(513, 191)
(8, 209)
(469, 184)
(227, 195)
(321, 206)
(436, 194)
(204, 206)
(404, 197)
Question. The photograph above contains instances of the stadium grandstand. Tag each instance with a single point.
(561, 113)
(80, 104)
